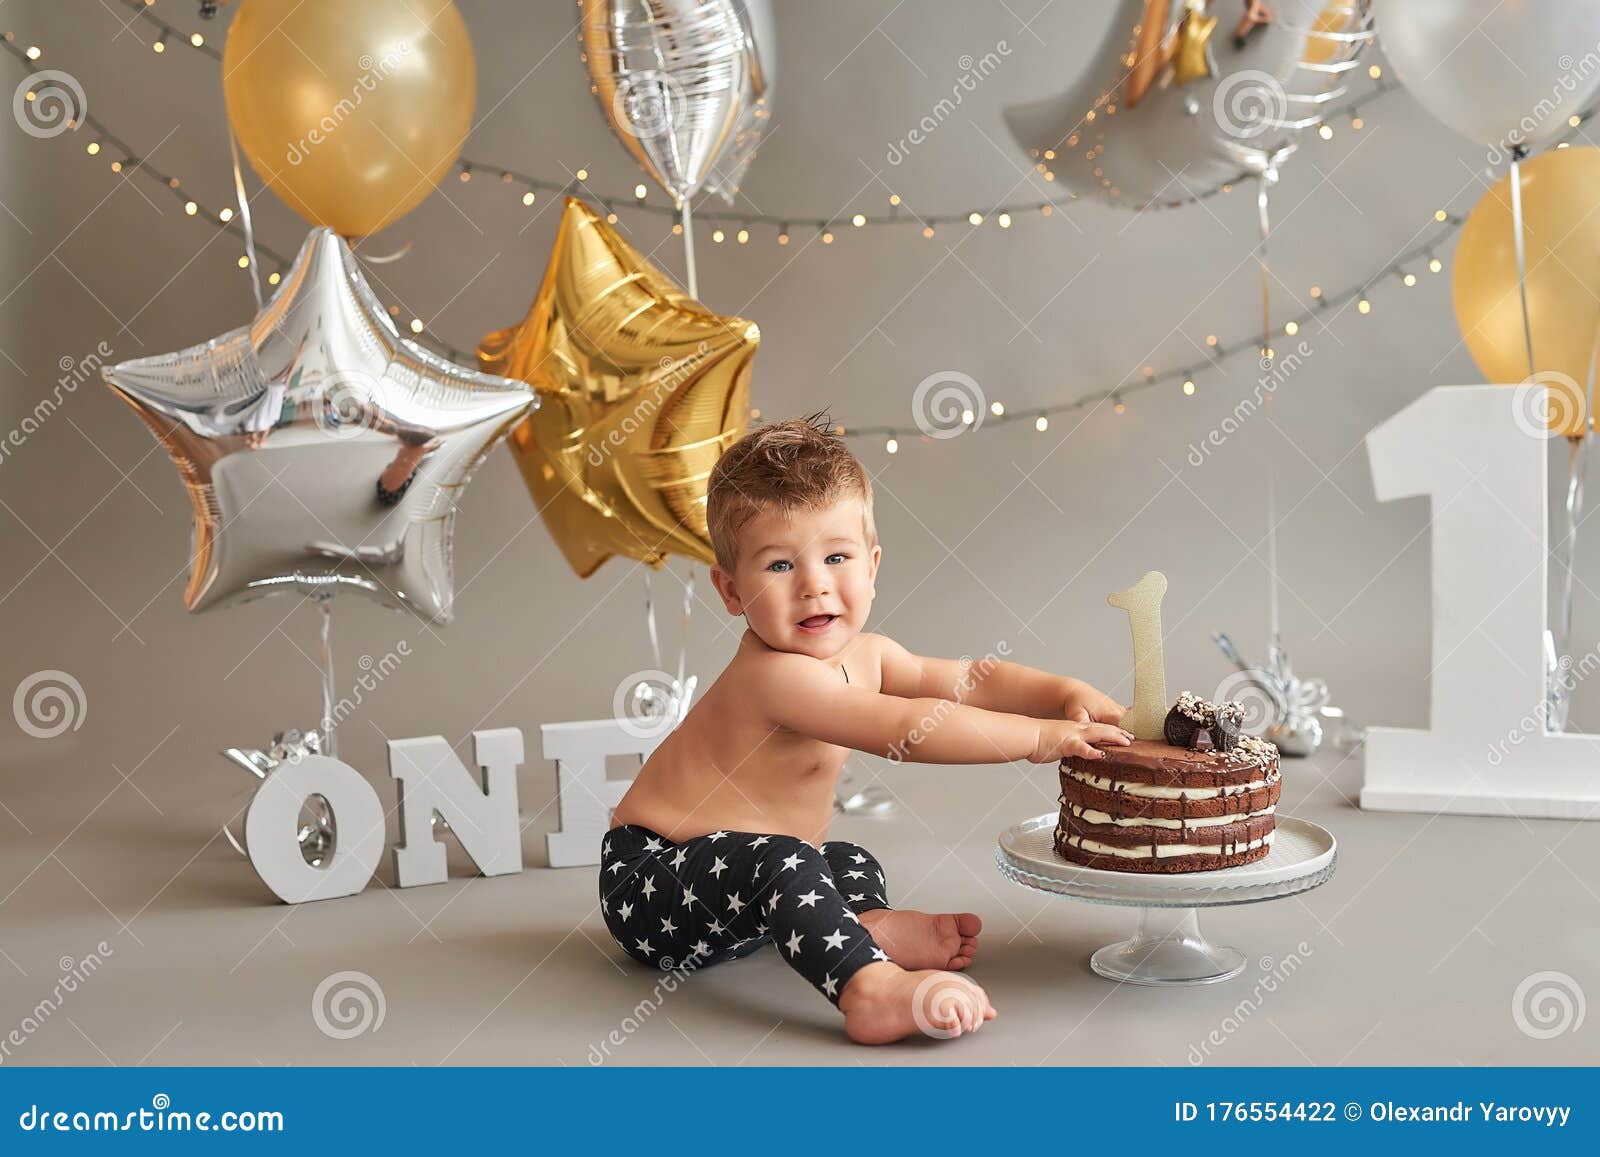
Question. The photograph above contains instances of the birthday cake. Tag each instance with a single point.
(1204, 797)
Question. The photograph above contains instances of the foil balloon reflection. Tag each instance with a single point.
(642, 388)
(1170, 107)
(760, 50)
(673, 79)
(322, 451)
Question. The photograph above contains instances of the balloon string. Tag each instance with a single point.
(688, 249)
(1264, 218)
(330, 725)
(244, 218)
(650, 618)
(1522, 257)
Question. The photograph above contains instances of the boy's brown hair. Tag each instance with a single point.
(797, 464)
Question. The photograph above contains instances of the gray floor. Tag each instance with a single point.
(1412, 954)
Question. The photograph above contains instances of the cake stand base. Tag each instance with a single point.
(1168, 948)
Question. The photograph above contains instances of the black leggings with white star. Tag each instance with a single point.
(722, 896)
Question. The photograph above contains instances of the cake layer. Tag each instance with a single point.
(1173, 803)
(1171, 857)
(1150, 764)
(1212, 837)
(1092, 816)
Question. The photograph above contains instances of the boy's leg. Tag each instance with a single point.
(723, 890)
(858, 875)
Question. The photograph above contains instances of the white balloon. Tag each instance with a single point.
(1507, 73)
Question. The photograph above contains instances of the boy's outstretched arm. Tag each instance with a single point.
(797, 692)
(996, 685)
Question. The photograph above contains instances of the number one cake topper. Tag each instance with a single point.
(1142, 601)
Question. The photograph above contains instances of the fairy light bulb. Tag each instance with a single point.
(1118, 406)
(975, 218)
(1041, 423)
(274, 278)
(858, 220)
(160, 45)
(894, 199)
(34, 52)
(1325, 132)
(1291, 327)
(1211, 340)
(1316, 291)
(1434, 265)
(191, 208)
(1409, 280)
(718, 236)
(967, 417)
(927, 230)
(416, 325)
(1004, 220)
(892, 446)
(1440, 215)
(582, 174)
(1188, 386)
(640, 192)
(1363, 306)
(1374, 72)
(997, 408)
(197, 40)
(783, 236)
(92, 148)
(244, 261)
(827, 237)
(529, 197)
(743, 236)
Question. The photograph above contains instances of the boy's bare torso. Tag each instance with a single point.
(728, 768)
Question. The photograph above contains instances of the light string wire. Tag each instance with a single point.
(1216, 353)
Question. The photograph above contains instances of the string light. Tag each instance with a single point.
(1291, 327)
(858, 220)
(892, 445)
(998, 409)
(1188, 386)
(1325, 131)
(1409, 280)
(1040, 418)
(640, 192)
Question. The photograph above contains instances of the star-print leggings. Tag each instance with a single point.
(722, 896)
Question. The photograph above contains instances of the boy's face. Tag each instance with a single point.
(803, 583)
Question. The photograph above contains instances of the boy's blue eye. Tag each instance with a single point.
(837, 555)
(776, 565)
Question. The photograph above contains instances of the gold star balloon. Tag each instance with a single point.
(641, 387)
(1190, 60)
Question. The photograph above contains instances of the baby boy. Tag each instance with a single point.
(721, 845)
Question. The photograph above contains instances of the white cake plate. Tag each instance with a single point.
(1168, 948)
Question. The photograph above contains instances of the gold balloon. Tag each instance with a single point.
(641, 389)
(351, 111)
(1189, 59)
(1561, 239)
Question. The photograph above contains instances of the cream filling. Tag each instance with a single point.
(1160, 791)
(1091, 816)
(1165, 851)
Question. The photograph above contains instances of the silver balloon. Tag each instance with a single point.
(1505, 74)
(1174, 104)
(727, 173)
(671, 77)
(323, 452)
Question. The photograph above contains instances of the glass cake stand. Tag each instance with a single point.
(1168, 947)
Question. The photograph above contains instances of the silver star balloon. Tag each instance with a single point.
(1181, 96)
(322, 451)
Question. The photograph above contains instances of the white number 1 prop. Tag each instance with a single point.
(1485, 751)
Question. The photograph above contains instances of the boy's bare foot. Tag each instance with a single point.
(924, 939)
(883, 1002)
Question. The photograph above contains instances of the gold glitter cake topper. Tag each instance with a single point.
(1142, 601)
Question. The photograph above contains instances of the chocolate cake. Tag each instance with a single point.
(1157, 807)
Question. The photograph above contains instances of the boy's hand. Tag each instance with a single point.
(1060, 738)
(1087, 704)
